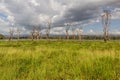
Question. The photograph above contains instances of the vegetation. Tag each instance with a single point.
(2, 36)
(59, 60)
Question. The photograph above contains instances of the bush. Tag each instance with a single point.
(2, 36)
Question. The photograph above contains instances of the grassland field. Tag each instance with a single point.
(59, 60)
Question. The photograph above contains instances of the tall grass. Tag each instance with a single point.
(59, 60)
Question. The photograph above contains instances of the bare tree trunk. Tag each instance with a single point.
(18, 34)
(11, 37)
(49, 25)
(67, 35)
(32, 35)
(79, 32)
(47, 35)
(73, 35)
(38, 35)
(11, 31)
(80, 37)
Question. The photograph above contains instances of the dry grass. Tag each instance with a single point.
(59, 60)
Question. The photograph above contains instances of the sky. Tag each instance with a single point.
(24, 14)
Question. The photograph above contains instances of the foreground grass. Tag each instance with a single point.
(59, 60)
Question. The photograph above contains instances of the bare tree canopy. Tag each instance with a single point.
(49, 26)
(67, 27)
(36, 32)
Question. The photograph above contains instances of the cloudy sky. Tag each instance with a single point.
(26, 13)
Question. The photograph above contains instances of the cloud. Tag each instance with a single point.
(116, 13)
(27, 13)
(34, 3)
(11, 19)
(115, 32)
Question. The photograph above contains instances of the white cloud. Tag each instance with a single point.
(11, 19)
(91, 31)
(3, 27)
(33, 2)
(57, 30)
(43, 18)
(115, 32)
(55, 5)
(116, 13)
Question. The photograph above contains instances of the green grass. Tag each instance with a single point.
(59, 60)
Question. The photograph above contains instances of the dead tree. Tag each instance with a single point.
(18, 33)
(79, 33)
(33, 33)
(11, 32)
(73, 30)
(38, 33)
(49, 25)
(106, 17)
(67, 27)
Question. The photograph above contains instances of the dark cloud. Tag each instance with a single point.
(88, 10)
